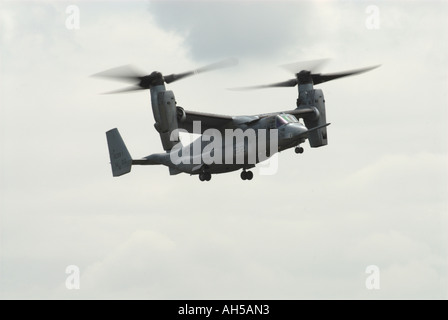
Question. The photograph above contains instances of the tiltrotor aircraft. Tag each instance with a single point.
(274, 132)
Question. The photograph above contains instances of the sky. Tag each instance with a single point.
(376, 195)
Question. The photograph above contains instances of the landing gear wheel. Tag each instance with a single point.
(247, 175)
(205, 176)
(298, 150)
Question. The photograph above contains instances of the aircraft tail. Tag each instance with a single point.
(120, 158)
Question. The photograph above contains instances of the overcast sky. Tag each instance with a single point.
(376, 195)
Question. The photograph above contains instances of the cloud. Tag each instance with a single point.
(394, 179)
(216, 29)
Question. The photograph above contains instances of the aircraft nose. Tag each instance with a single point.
(293, 130)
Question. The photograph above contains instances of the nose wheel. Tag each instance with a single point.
(298, 150)
(247, 175)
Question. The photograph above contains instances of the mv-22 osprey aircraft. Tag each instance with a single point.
(169, 118)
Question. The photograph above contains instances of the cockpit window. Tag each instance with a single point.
(282, 119)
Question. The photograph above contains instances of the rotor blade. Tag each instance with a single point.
(123, 73)
(214, 66)
(231, 62)
(128, 89)
(288, 83)
(320, 78)
(312, 65)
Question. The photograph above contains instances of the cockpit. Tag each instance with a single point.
(283, 119)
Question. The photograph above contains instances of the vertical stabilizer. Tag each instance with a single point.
(120, 159)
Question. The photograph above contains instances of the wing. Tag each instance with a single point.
(221, 122)
(208, 121)
(299, 113)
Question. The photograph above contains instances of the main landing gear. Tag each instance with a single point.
(205, 176)
(298, 149)
(247, 175)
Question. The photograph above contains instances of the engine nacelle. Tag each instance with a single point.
(167, 116)
(316, 99)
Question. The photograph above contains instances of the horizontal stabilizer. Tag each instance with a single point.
(143, 162)
(153, 159)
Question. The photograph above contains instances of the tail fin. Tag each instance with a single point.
(120, 159)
